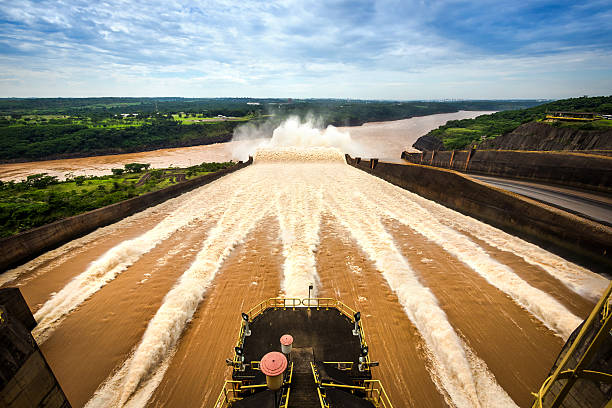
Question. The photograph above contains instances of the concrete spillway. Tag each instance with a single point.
(144, 312)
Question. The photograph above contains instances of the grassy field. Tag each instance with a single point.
(189, 119)
(117, 121)
(41, 199)
(603, 124)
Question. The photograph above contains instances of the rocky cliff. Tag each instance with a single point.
(542, 136)
(428, 143)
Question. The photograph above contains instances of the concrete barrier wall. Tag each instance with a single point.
(26, 380)
(592, 172)
(27, 245)
(562, 232)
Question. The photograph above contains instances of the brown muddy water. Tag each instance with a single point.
(145, 311)
(379, 139)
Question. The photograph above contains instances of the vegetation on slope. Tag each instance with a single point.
(457, 134)
(41, 199)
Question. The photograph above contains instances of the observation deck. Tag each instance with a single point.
(328, 363)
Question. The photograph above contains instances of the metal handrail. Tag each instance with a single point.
(279, 302)
(317, 380)
(607, 307)
(230, 395)
(602, 307)
(315, 374)
(352, 387)
(322, 399)
(376, 393)
(284, 303)
(288, 388)
(224, 399)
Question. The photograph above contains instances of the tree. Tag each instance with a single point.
(117, 172)
(41, 180)
(136, 167)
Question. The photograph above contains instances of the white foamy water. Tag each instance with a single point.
(179, 305)
(294, 135)
(543, 306)
(117, 260)
(42, 264)
(297, 185)
(298, 155)
(299, 209)
(450, 361)
(576, 278)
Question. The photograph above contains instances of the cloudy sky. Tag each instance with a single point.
(306, 48)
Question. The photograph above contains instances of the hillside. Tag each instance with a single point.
(458, 134)
(543, 136)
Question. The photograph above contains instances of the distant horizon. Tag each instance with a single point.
(362, 49)
(298, 98)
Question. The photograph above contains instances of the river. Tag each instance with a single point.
(144, 312)
(379, 139)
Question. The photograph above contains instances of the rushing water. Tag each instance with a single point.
(144, 312)
(378, 139)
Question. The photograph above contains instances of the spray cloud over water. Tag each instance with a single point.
(291, 133)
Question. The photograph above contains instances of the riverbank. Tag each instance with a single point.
(376, 139)
(484, 130)
(40, 199)
(121, 151)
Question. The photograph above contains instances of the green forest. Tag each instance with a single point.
(458, 134)
(42, 128)
(41, 199)
(48, 140)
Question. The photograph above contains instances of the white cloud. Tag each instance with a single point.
(361, 49)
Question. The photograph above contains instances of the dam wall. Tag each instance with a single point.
(29, 244)
(26, 380)
(558, 230)
(581, 170)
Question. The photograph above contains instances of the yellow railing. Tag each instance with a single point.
(232, 389)
(287, 391)
(572, 374)
(317, 380)
(346, 387)
(375, 393)
(571, 118)
(322, 401)
(605, 310)
(315, 374)
(292, 303)
(228, 394)
(374, 390)
(327, 303)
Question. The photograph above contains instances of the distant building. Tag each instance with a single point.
(572, 116)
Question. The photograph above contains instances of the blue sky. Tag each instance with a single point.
(353, 49)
